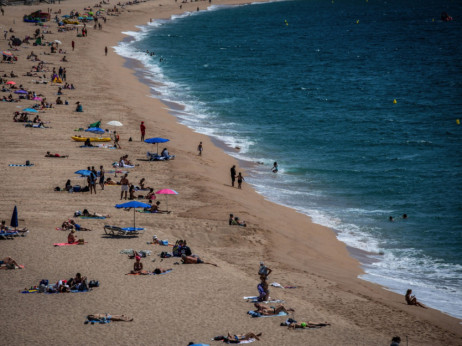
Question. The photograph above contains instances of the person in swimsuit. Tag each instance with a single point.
(303, 325)
(160, 270)
(240, 179)
(107, 317)
(71, 238)
(268, 311)
(237, 338)
(412, 300)
(194, 260)
(138, 267)
(233, 175)
(9, 263)
(101, 177)
(125, 186)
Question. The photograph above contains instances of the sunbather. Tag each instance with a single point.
(86, 213)
(71, 237)
(78, 227)
(107, 317)
(263, 291)
(412, 300)
(155, 209)
(55, 155)
(268, 311)
(9, 263)
(160, 270)
(303, 325)
(194, 260)
(79, 282)
(237, 338)
(138, 267)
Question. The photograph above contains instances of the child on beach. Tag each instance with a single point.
(240, 179)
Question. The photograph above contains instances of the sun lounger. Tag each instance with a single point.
(119, 231)
(8, 234)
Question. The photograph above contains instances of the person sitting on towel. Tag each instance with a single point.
(138, 267)
(269, 311)
(263, 291)
(71, 238)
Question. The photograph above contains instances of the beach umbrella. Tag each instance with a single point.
(20, 92)
(133, 205)
(14, 218)
(30, 110)
(11, 83)
(156, 140)
(95, 130)
(166, 192)
(58, 41)
(83, 172)
(7, 53)
(115, 123)
(36, 98)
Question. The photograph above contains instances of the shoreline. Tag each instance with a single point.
(314, 260)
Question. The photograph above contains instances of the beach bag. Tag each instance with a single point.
(81, 242)
(93, 283)
(76, 188)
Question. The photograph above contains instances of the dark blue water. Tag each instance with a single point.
(311, 85)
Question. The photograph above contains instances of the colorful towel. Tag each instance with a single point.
(13, 165)
(66, 244)
(256, 314)
(168, 271)
(92, 217)
(37, 291)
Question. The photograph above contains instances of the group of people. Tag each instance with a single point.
(235, 176)
(234, 221)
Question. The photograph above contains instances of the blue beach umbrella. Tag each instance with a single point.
(133, 205)
(30, 110)
(156, 140)
(20, 92)
(95, 130)
(83, 172)
(14, 218)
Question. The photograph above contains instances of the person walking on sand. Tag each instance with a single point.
(200, 148)
(233, 175)
(142, 130)
(73, 45)
(240, 179)
(101, 177)
(124, 186)
(105, 50)
(116, 140)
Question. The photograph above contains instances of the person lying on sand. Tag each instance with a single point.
(155, 209)
(9, 263)
(160, 270)
(294, 324)
(234, 221)
(412, 300)
(86, 213)
(4, 227)
(77, 226)
(268, 311)
(107, 317)
(194, 260)
(109, 181)
(237, 338)
(55, 155)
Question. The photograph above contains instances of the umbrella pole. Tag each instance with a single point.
(134, 211)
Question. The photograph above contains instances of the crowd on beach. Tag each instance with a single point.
(129, 191)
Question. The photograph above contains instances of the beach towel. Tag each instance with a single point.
(254, 299)
(92, 217)
(35, 290)
(257, 314)
(14, 165)
(66, 244)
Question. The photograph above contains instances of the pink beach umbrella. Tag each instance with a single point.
(36, 98)
(11, 83)
(166, 192)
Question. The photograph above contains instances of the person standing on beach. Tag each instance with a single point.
(73, 45)
(116, 140)
(240, 179)
(142, 130)
(124, 186)
(105, 50)
(233, 175)
(101, 177)
(200, 148)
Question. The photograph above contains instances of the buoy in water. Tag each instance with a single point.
(357, 21)
(394, 101)
(457, 121)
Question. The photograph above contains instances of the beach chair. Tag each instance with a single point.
(122, 231)
(8, 234)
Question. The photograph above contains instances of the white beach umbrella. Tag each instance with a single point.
(58, 41)
(115, 123)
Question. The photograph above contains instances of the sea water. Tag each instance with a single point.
(358, 103)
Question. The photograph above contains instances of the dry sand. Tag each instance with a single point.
(194, 302)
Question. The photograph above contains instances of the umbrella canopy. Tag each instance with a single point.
(95, 130)
(36, 98)
(83, 172)
(20, 92)
(11, 83)
(115, 123)
(7, 53)
(30, 110)
(157, 140)
(58, 41)
(14, 218)
(133, 205)
(166, 192)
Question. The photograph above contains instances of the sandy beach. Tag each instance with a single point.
(192, 302)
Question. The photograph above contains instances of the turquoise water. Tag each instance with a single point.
(311, 85)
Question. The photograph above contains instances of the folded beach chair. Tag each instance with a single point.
(8, 234)
(154, 157)
(125, 231)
